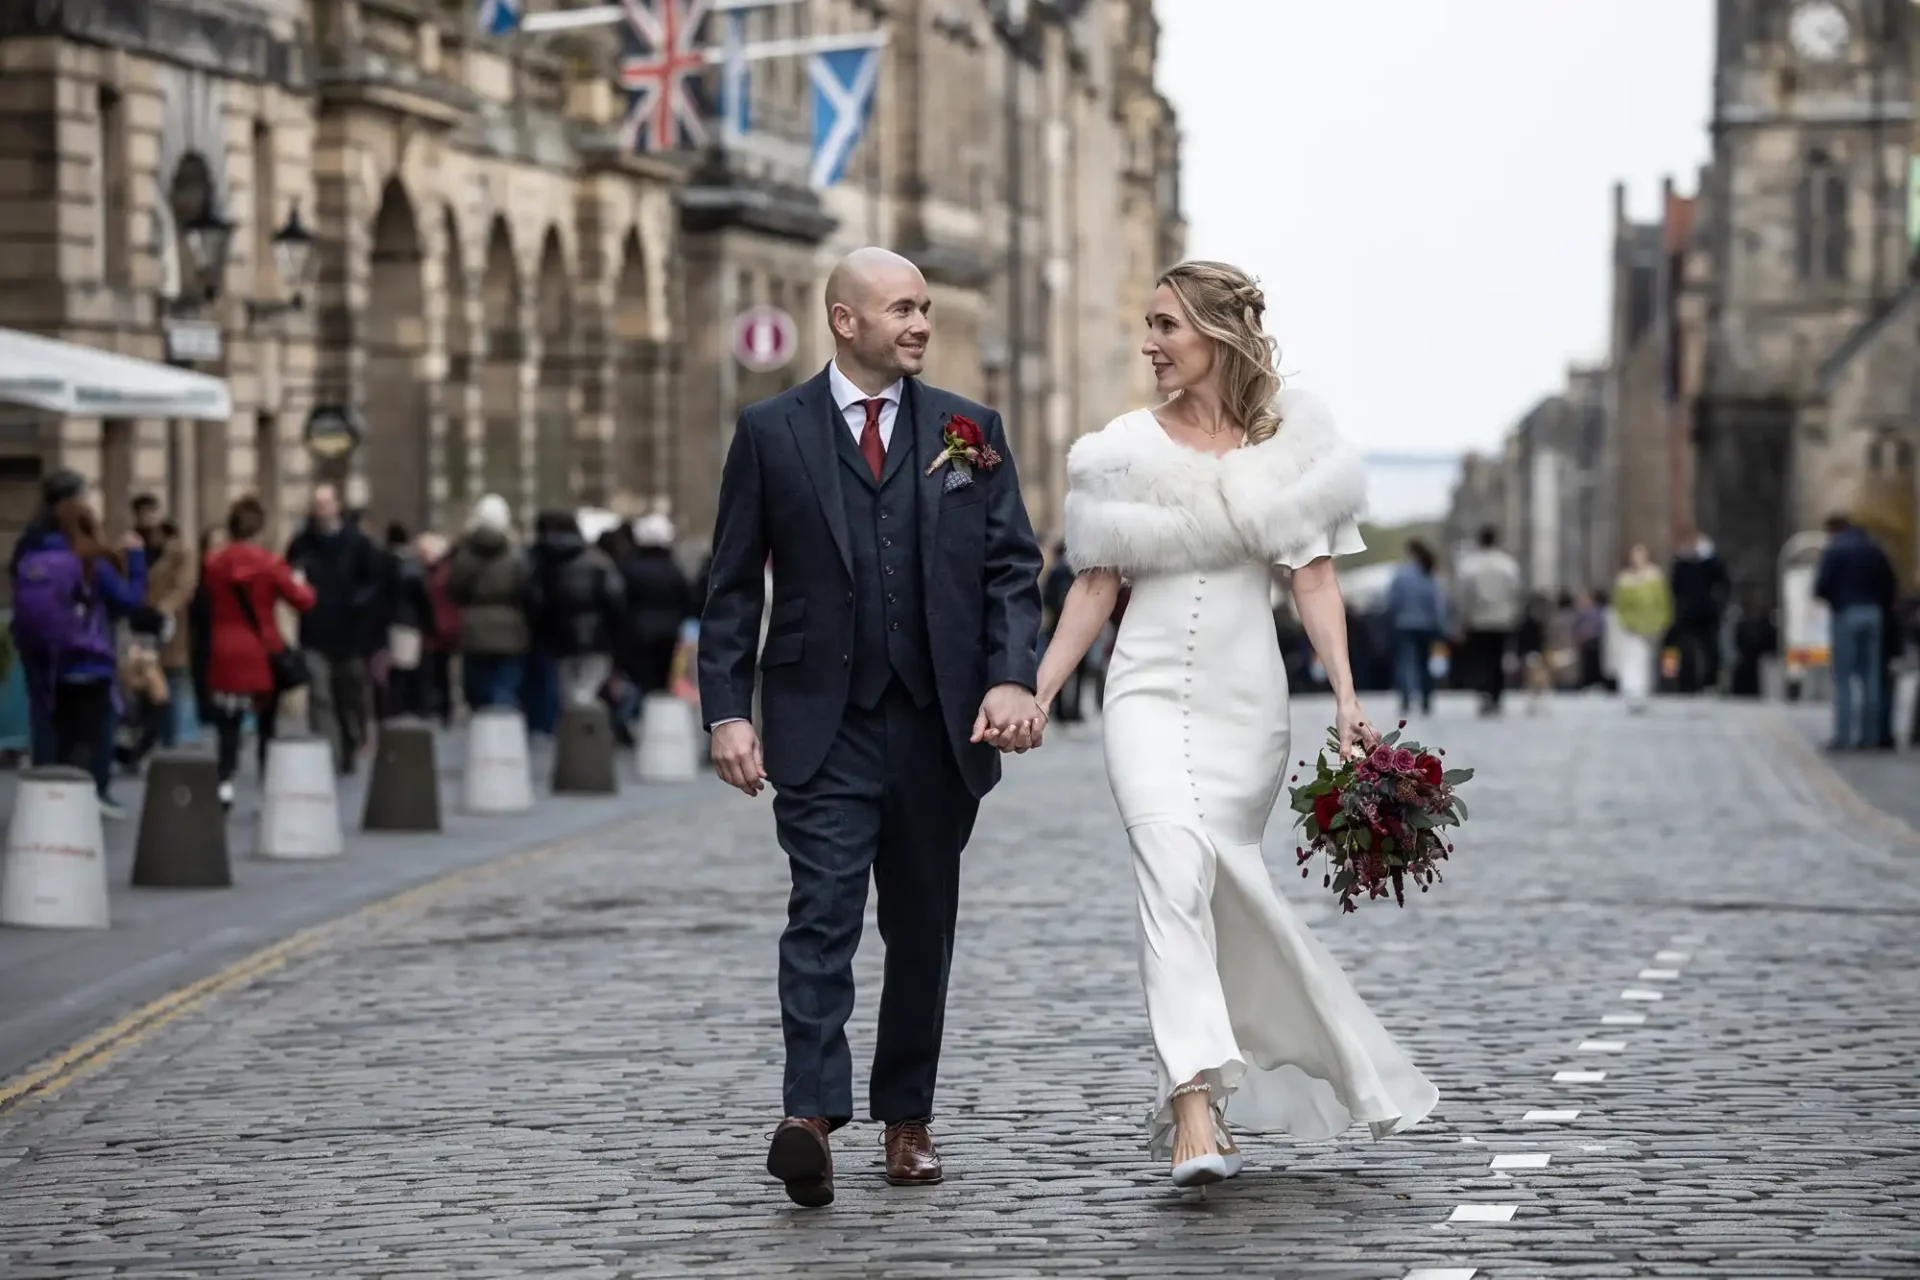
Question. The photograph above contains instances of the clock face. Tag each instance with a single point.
(1820, 30)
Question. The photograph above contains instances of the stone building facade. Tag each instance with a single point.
(1806, 227)
(493, 283)
(1764, 364)
(1652, 379)
(503, 299)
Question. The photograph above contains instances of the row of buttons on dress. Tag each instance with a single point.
(1186, 696)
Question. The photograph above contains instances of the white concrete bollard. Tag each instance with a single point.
(668, 740)
(55, 875)
(499, 776)
(300, 813)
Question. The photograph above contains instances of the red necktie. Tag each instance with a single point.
(870, 447)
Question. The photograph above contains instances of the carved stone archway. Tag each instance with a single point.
(396, 411)
(461, 442)
(637, 429)
(553, 402)
(501, 390)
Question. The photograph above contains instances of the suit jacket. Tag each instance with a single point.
(780, 497)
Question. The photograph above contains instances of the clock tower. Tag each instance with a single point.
(1806, 229)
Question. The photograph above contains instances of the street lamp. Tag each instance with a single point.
(208, 237)
(293, 258)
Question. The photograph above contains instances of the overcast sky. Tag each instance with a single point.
(1425, 186)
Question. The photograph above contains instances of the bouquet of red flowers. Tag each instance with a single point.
(1378, 818)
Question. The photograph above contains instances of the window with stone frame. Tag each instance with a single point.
(264, 282)
(1822, 238)
(110, 188)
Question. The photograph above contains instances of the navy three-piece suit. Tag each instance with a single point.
(897, 603)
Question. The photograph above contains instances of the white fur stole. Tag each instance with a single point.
(1141, 504)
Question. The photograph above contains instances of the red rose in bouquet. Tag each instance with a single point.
(1379, 820)
(1325, 806)
(967, 430)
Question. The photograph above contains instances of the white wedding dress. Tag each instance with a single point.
(1239, 992)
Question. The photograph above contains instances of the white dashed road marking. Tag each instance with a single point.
(1483, 1212)
(1521, 1160)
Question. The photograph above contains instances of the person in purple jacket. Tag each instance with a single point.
(70, 590)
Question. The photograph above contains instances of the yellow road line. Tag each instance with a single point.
(109, 1043)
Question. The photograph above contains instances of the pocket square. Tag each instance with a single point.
(956, 479)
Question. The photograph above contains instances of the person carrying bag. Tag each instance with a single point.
(249, 669)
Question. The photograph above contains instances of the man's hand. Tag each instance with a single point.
(1010, 718)
(736, 756)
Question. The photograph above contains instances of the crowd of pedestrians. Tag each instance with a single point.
(1681, 629)
(1482, 629)
(139, 641)
(131, 643)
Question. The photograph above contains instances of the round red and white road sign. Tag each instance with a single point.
(764, 338)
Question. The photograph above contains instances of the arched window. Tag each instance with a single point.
(1820, 216)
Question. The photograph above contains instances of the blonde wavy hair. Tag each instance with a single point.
(1225, 303)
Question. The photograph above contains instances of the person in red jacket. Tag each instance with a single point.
(238, 671)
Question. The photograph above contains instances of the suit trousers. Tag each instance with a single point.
(888, 801)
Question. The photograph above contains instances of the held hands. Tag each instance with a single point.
(1010, 718)
(736, 756)
(1357, 737)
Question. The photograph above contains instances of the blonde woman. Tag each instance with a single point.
(1193, 503)
(1643, 606)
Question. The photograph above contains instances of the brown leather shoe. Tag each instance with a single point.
(801, 1158)
(911, 1159)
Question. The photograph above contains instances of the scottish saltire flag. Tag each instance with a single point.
(736, 98)
(499, 17)
(661, 70)
(843, 84)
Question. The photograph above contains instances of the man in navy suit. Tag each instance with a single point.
(899, 660)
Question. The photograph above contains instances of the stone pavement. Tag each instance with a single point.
(60, 985)
(569, 1067)
(1884, 779)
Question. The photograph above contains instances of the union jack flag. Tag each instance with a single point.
(662, 70)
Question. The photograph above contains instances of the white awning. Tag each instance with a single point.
(64, 377)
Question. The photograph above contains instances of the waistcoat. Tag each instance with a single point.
(883, 533)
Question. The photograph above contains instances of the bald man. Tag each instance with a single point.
(899, 661)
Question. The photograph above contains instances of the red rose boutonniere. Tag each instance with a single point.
(965, 446)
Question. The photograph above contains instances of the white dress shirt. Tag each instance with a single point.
(850, 397)
(851, 401)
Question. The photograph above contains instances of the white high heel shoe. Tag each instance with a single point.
(1229, 1149)
(1215, 1166)
(1201, 1171)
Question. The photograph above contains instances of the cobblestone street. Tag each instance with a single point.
(568, 1064)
